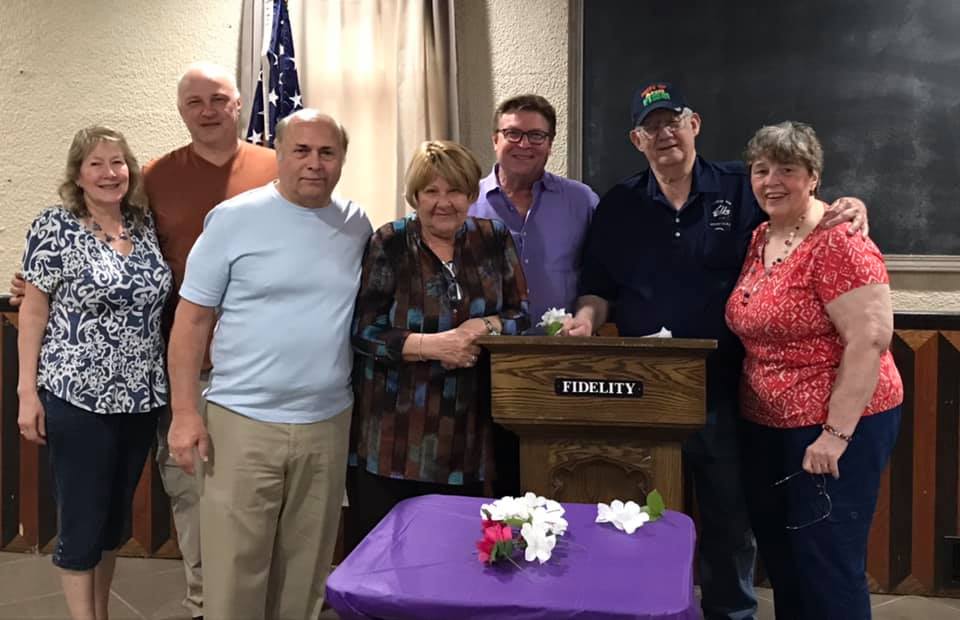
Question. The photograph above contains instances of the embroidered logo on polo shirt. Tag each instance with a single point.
(721, 215)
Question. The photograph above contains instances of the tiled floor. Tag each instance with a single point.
(152, 589)
(142, 590)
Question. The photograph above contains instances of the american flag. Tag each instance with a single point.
(278, 89)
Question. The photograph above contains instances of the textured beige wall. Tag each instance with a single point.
(926, 301)
(506, 48)
(66, 64)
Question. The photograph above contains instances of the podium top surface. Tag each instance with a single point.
(687, 345)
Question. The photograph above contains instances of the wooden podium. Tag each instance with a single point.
(599, 418)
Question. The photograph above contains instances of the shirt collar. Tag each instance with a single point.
(705, 180)
(491, 183)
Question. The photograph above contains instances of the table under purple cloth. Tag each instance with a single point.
(421, 562)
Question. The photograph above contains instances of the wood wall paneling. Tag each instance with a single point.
(918, 504)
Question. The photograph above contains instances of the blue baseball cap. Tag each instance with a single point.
(656, 96)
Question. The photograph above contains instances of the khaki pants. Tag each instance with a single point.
(270, 507)
(183, 490)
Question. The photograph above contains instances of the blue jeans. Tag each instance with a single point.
(727, 550)
(96, 460)
(812, 529)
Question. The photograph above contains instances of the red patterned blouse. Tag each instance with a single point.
(793, 351)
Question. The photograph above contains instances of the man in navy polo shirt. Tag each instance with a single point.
(664, 250)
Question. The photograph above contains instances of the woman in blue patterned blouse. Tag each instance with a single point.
(91, 355)
(432, 283)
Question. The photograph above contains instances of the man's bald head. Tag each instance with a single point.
(206, 71)
(311, 115)
(209, 104)
(311, 147)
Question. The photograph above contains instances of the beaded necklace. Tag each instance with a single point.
(98, 230)
(758, 266)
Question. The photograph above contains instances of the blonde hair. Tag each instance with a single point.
(440, 158)
(134, 202)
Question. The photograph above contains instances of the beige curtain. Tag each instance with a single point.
(386, 70)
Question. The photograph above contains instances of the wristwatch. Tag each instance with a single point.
(491, 329)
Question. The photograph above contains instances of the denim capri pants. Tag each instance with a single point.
(96, 460)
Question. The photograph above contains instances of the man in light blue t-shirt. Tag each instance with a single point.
(279, 269)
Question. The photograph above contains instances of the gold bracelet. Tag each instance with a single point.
(420, 349)
(837, 434)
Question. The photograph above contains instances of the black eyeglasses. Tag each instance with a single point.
(454, 292)
(821, 506)
(534, 136)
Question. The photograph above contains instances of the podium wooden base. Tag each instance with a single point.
(599, 418)
(598, 467)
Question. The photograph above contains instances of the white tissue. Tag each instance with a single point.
(663, 333)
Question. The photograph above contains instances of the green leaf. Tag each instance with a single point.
(502, 549)
(554, 328)
(655, 505)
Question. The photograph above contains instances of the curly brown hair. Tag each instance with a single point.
(134, 203)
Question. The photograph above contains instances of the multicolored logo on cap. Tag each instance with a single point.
(654, 93)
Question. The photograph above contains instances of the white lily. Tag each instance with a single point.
(506, 508)
(625, 517)
(552, 320)
(533, 500)
(540, 544)
(549, 521)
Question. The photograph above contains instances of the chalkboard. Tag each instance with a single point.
(878, 80)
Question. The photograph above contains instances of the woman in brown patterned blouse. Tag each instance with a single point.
(432, 283)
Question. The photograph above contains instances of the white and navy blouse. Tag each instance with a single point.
(102, 349)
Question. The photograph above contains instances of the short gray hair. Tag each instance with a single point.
(789, 142)
(309, 115)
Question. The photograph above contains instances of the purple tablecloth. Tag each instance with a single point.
(420, 562)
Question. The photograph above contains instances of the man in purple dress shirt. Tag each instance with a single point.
(547, 214)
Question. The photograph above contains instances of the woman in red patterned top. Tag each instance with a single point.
(819, 391)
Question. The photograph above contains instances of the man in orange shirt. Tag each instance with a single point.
(183, 186)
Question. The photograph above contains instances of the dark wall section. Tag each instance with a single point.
(879, 81)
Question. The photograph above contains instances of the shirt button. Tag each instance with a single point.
(526, 260)
(677, 220)
(676, 234)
